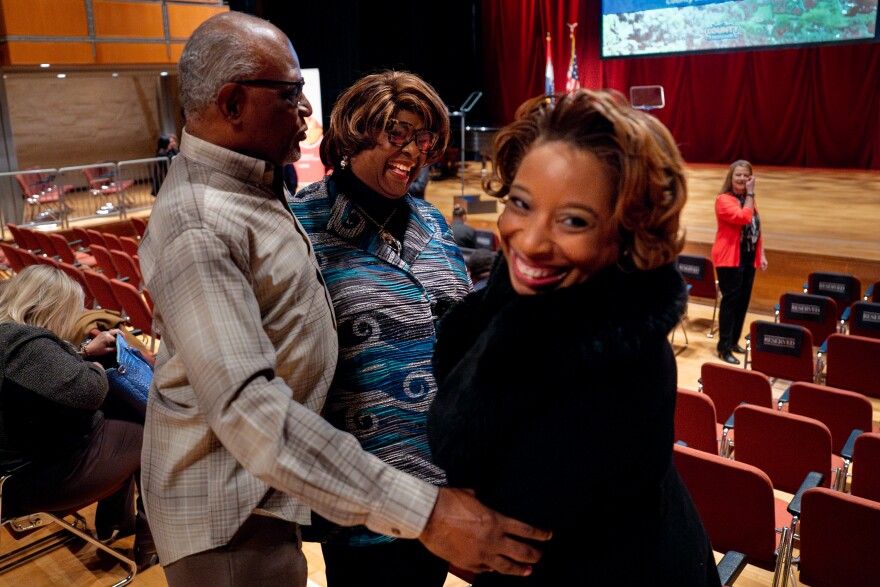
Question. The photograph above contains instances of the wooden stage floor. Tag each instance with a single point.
(812, 220)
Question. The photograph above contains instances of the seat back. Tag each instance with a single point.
(730, 386)
(28, 257)
(99, 284)
(839, 534)
(62, 248)
(129, 245)
(735, 502)
(77, 275)
(140, 225)
(695, 421)
(112, 241)
(818, 314)
(126, 267)
(840, 410)
(785, 446)
(699, 272)
(864, 319)
(875, 293)
(135, 308)
(842, 288)
(13, 259)
(782, 350)
(104, 259)
(45, 243)
(852, 364)
(866, 467)
(25, 235)
(96, 238)
(485, 239)
(17, 235)
(50, 261)
(81, 234)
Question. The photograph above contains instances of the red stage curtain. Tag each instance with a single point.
(812, 107)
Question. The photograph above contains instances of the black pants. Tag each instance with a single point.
(401, 563)
(736, 290)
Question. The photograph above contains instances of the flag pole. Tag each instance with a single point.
(572, 81)
(549, 85)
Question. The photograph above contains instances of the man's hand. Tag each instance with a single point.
(475, 538)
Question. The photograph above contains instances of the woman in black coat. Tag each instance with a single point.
(557, 383)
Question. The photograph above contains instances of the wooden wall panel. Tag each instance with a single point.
(32, 53)
(183, 20)
(108, 53)
(66, 18)
(128, 19)
(85, 118)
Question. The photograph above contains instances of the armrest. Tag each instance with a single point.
(847, 451)
(824, 348)
(869, 292)
(730, 566)
(681, 443)
(845, 316)
(75, 243)
(813, 479)
(728, 425)
(783, 399)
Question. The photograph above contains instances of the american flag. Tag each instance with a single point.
(572, 82)
(549, 86)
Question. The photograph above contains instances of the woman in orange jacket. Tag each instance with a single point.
(737, 252)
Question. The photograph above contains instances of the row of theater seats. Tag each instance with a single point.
(830, 302)
(804, 445)
(101, 262)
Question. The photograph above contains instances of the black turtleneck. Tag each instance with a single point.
(375, 205)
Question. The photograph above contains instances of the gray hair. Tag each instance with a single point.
(217, 52)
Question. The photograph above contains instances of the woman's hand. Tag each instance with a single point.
(763, 261)
(750, 185)
(104, 343)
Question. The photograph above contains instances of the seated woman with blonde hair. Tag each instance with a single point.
(557, 384)
(50, 399)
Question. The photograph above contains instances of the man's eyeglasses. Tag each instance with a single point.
(402, 133)
(296, 88)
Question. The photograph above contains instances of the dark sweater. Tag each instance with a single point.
(49, 396)
(558, 410)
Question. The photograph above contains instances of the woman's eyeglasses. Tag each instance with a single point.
(402, 133)
(295, 88)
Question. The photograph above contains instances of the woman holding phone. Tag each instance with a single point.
(737, 252)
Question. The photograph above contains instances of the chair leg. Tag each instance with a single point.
(68, 533)
(714, 327)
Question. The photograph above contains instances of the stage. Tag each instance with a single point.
(812, 220)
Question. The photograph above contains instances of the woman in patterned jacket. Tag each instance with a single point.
(392, 269)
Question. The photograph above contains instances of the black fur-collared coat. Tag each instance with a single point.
(558, 410)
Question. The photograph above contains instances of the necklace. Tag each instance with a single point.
(386, 236)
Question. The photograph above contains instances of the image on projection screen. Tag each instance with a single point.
(654, 27)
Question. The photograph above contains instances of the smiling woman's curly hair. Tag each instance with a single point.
(639, 153)
(361, 112)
